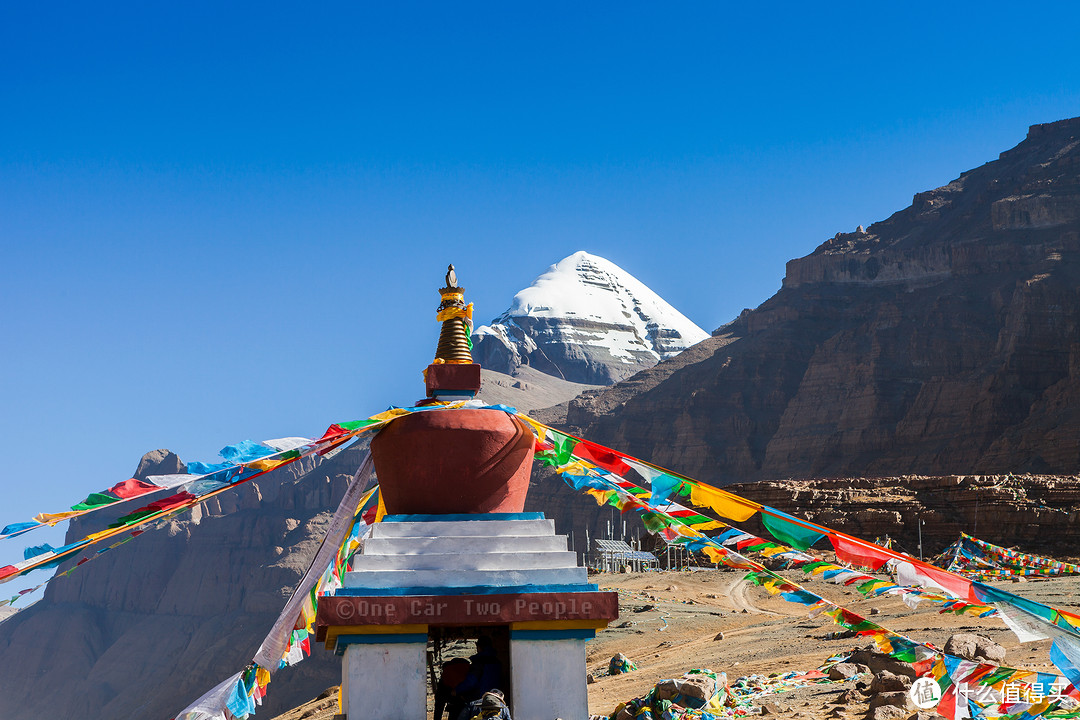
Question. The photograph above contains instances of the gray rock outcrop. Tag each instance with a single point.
(145, 629)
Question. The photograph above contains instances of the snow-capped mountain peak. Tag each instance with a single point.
(585, 320)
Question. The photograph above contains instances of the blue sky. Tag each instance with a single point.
(228, 221)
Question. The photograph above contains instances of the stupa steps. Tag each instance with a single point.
(444, 578)
(465, 545)
(473, 526)
(460, 561)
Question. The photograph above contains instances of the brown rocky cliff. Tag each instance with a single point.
(939, 341)
(1035, 513)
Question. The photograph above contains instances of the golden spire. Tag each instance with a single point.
(455, 341)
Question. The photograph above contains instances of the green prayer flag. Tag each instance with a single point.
(356, 424)
(788, 531)
(95, 500)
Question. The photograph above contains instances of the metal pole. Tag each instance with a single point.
(975, 530)
(920, 536)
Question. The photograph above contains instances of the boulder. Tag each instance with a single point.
(897, 698)
(877, 662)
(691, 690)
(886, 681)
(975, 647)
(886, 712)
(845, 671)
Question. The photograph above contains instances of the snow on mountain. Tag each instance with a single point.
(585, 320)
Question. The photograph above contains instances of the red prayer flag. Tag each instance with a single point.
(8, 571)
(609, 459)
(332, 432)
(172, 502)
(132, 488)
(860, 553)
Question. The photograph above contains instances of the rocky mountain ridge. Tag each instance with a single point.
(943, 340)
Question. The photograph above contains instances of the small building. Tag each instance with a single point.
(618, 556)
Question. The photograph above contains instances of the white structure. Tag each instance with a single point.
(476, 572)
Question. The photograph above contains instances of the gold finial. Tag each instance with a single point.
(455, 341)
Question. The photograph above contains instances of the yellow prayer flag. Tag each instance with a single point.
(380, 513)
(266, 464)
(93, 537)
(711, 525)
(715, 554)
(53, 518)
(722, 503)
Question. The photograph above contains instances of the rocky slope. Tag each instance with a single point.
(527, 389)
(943, 340)
(145, 629)
(585, 320)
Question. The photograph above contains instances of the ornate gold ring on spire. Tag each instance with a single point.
(455, 339)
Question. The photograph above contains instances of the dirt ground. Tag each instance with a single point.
(669, 622)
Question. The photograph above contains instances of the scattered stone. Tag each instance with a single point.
(699, 687)
(644, 608)
(590, 679)
(719, 635)
(744, 611)
(712, 596)
(848, 697)
(672, 587)
(624, 624)
(875, 611)
(975, 647)
(886, 712)
(770, 708)
(886, 681)
(843, 671)
(840, 635)
(922, 716)
(620, 664)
